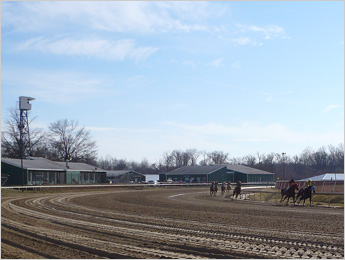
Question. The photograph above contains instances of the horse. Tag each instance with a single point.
(228, 188)
(223, 189)
(237, 191)
(305, 194)
(213, 189)
(288, 193)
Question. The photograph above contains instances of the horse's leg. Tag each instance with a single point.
(300, 198)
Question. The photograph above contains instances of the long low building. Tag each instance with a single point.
(130, 176)
(220, 173)
(39, 171)
(328, 182)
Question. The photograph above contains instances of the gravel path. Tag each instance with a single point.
(164, 223)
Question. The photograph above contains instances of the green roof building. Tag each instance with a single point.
(220, 173)
(39, 171)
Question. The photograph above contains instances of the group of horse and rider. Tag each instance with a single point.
(289, 192)
(302, 194)
(225, 187)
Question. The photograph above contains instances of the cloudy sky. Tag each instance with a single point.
(149, 77)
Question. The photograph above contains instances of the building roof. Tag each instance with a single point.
(196, 170)
(246, 169)
(39, 163)
(121, 172)
(327, 177)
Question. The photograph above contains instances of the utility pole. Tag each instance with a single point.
(24, 107)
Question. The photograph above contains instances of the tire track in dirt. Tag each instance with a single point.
(229, 243)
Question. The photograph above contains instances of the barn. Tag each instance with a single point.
(328, 182)
(125, 176)
(248, 174)
(39, 171)
(220, 173)
(197, 174)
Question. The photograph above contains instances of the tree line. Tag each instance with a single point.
(326, 159)
(66, 140)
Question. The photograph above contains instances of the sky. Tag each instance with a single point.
(150, 77)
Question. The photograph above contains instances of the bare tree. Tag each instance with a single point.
(250, 160)
(193, 156)
(218, 157)
(205, 160)
(168, 161)
(70, 142)
(307, 156)
(33, 145)
(260, 157)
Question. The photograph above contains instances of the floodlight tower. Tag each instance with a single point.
(24, 107)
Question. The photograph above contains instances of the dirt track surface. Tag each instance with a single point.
(164, 223)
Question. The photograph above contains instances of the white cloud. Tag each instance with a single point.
(245, 41)
(254, 35)
(96, 48)
(330, 108)
(237, 140)
(115, 16)
(274, 133)
(267, 31)
(191, 63)
(216, 63)
(53, 86)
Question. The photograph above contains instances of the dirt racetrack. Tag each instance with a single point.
(163, 223)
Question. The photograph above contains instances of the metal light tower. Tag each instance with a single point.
(24, 106)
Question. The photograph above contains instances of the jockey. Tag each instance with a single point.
(229, 183)
(291, 183)
(238, 184)
(223, 184)
(308, 183)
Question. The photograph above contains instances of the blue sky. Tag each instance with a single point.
(149, 77)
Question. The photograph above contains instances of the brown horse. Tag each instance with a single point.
(213, 189)
(305, 194)
(288, 193)
(228, 188)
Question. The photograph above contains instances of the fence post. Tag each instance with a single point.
(335, 183)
